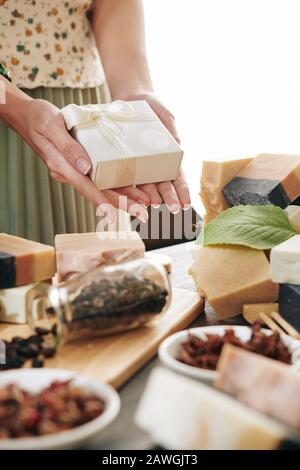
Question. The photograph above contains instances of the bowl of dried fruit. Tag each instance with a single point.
(53, 409)
(195, 352)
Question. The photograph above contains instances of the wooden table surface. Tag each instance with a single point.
(123, 434)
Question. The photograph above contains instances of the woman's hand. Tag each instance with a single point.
(175, 194)
(42, 126)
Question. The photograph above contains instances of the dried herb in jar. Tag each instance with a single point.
(114, 305)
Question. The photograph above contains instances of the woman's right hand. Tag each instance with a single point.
(42, 126)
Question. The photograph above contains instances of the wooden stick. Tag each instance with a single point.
(285, 325)
(271, 324)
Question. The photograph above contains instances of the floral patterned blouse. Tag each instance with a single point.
(49, 43)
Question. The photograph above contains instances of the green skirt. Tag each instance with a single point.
(32, 204)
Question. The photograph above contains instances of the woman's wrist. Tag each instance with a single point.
(14, 104)
(132, 95)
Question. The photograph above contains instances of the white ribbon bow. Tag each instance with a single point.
(106, 118)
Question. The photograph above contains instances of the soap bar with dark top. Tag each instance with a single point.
(24, 261)
(289, 304)
(267, 179)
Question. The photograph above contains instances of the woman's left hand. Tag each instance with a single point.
(175, 194)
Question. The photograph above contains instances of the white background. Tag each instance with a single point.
(230, 72)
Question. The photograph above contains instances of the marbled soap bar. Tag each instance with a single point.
(24, 261)
(81, 252)
(267, 179)
(215, 175)
(231, 276)
(289, 304)
(269, 386)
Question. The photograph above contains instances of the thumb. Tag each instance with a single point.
(73, 152)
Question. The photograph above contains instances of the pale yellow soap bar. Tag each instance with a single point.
(251, 312)
(180, 413)
(269, 386)
(215, 175)
(231, 276)
(81, 252)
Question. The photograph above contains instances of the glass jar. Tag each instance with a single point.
(106, 300)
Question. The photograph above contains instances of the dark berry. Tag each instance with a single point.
(37, 362)
(32, 350)
(41, 331)
(49, 352)
(35, 339)
(54, 330)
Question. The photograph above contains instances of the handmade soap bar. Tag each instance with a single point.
(285, 261)
(230, 276)
(269, 386)
(24, 261)
(215, 175)
(180, 413)
(293, 212)
(80, 252)
(251, 312)
(15, 303)
(267, 179)
(289, 304)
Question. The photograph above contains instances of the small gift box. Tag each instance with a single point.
(126, 142)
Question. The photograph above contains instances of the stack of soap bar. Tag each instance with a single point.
(80, 252)
(215, 175)
(24, 262)
(267, 179)
(180, 413)
(230, 276)
(269, 386)
(293, 212)
(251, 312)
(285, 270)
(15, 303)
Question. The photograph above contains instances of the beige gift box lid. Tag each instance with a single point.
(126, 141)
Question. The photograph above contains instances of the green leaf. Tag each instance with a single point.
(260, 227)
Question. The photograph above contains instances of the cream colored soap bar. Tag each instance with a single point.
(15, 303)
(180, 413)
(24, 261)
(285, 261)
(269, 386)
(293, 213)
(80, 252)
(215, 175)
(251, 312)
(230, 276)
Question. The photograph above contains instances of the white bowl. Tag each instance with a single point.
(170, 348)
(34, 380)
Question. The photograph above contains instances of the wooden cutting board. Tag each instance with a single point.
(114, 359)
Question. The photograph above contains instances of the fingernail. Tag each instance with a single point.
(175, 208)
(83, 166)
(155, 206)
(186, 207)
(142, 217)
